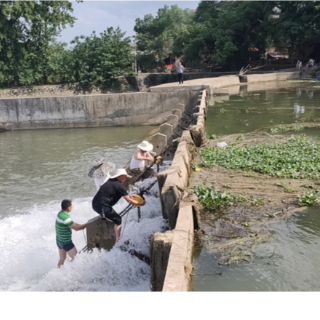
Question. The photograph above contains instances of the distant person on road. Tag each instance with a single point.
(64, 224)
(180, 69)
(109, 194)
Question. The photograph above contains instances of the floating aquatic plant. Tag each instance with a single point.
(212, 199)
(311, 198)
(213, 136)
(297, 158)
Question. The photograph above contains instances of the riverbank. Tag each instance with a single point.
(262, 231)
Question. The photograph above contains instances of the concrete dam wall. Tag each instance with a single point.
(126, 109)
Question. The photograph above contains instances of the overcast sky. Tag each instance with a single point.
(99, 15)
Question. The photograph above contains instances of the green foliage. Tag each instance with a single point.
(289, 190)
(296, 159)
(27, 29)
(157, 35)
(99, 60)
(240, 138)
(213, 136)
(222, 110)
(212, 199)
(257, 202)
(311, 198)
(30, 54)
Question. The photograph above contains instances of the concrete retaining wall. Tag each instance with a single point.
(272, 76)
(127, 109)
(181, 210)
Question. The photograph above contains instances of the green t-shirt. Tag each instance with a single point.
(63, 222)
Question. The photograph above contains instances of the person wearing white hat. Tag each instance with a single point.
(109, 194)
(140, 155)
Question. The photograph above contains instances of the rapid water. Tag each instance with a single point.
(40, 168)
(291, 261)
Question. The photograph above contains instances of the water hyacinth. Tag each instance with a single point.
(212, 199)
(297, 158)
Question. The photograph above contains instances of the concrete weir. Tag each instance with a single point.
(180, 135)
(171, 252)
(123, 109)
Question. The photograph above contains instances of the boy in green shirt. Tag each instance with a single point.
(64, 224)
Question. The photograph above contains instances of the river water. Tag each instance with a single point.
(40, 168)
(291, 261)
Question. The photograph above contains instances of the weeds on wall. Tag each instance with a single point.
(212, 199)
(297, 158)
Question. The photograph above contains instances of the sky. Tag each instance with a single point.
(100, 15)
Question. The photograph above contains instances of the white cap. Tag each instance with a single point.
(119, 172)
(145, 146)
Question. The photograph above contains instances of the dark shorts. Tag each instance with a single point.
(66, 247)
(109, 213)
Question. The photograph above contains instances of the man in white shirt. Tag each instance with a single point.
(180, 69)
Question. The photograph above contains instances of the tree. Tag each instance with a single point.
(48, 20)
(297, 24)
(99, 60)
(27, 29)
(14, 16)
(156, 35)
(226, 31)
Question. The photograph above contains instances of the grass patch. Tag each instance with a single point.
(212, 199)
(297, 158)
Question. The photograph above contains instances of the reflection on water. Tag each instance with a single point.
(255, 107)
(290, 263)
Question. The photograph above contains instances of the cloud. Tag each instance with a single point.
(100, 15)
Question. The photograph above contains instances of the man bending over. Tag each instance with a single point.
(64, 224)
(109, 194)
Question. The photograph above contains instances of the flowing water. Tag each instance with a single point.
(40, 168)
(291, 261)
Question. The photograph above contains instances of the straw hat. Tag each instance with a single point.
(101, 168)
(145, 146)
(119, 172)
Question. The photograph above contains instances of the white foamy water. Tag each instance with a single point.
(29, 255)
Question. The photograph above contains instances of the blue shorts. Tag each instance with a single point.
(66, 247)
